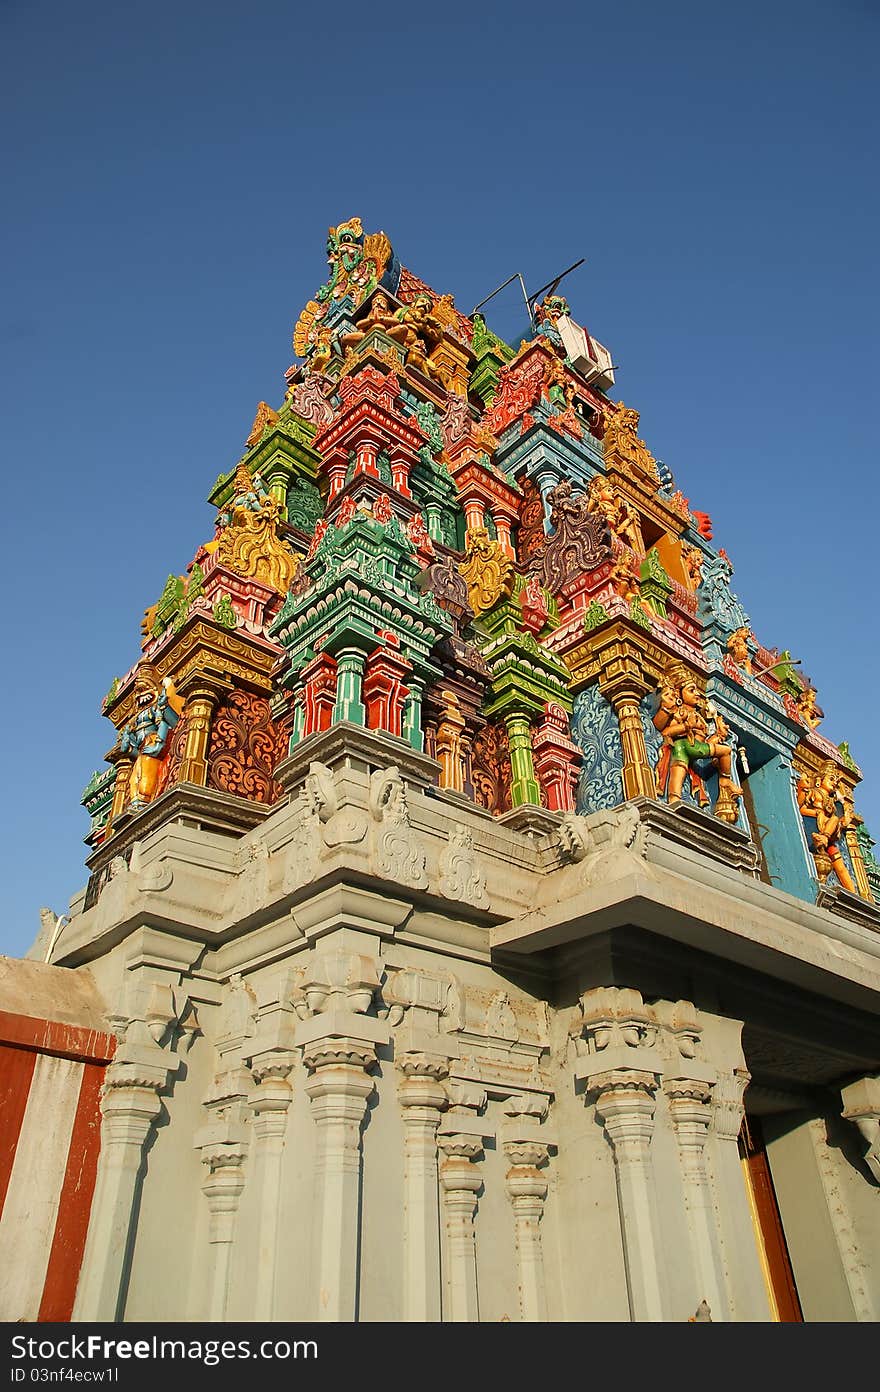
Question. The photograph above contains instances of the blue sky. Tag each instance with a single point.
(169, 175)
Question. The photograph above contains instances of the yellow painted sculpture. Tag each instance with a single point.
(621, 516)
(486, 569)
(738, 647)
(819, 802)
(262, 420)
(810, 712)
(690, 746)
(422, 333)
(692, 558)
(622, 440)
(248, 543)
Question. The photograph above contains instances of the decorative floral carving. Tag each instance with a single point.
(245, 748)
(460, 875)
(531, 535)
(491, 769)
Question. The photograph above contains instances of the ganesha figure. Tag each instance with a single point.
(690, 747)
(157, 708)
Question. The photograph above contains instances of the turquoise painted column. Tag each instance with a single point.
(350, 664)
(524, 786)
(782, 839)
(412, 715)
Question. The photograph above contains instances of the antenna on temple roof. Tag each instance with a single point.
(529, 299)
(551, 285)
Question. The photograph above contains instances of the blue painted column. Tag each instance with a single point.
(788, 863)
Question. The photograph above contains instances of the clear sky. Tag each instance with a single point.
(169, 173)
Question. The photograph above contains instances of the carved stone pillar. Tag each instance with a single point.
(527, 1146)
(858, 864)
(422, 1098)
(748, 1280)
(461, 1142)
(412, 714)
(690, 1108)
(557, 759)
(350, 663)
(622, 1072)
(222, 1188)
(625, 1102)
(123, 764)
(130, 1106)
(270, 1103)
(861, 1105)
(339, 1058)
(270, 1058)
(201, 702)
(503, 522)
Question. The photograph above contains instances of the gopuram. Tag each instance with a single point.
(478, 924)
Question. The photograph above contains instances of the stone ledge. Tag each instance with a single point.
(366, 750)
(699, 831)
(851, 906)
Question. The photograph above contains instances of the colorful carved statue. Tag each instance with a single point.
(248, 542)
(827, 818)
(738, 647)
(691, 747)
(486, 569)
(622, 441)
(357, 263)
(421, 334)
(157, 708)
(808, 710)
(692, 559)
(621, 516)
(547, 315)
(382, 317)
(626, 576)
(579, 542)
(262, 420)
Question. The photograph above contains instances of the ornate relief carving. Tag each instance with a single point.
(579, 542)
(596, 732)
(245, 747)
(397, 850)
(460, 874)
(487, 570)
(622, 442)
(491, 769)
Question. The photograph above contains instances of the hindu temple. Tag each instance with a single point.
(477, 923)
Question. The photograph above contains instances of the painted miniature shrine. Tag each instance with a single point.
(478, 925)
(464, 544)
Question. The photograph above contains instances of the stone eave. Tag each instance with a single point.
(756, 926)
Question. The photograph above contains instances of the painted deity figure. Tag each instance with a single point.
(248, 542)
(157, 708)
(547, 315)
(486, 570)
(621, 516)
(738, 647)
(422, 333)
(621, 439)
(690, 746)
(824, 810)
(381, 316)
(810, 712)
